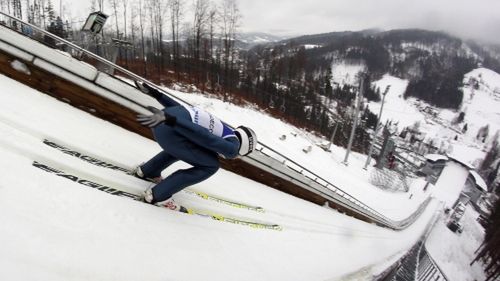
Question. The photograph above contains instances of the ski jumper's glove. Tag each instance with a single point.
(156, 118)
(148, 90)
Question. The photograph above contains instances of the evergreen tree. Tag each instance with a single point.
(459, 118)
(371, 93)
(464, 129)
(59, 28)
(489, 251)
(51, 14)
(370, 118)
(486, 165)
(328, 84)
(482, 133)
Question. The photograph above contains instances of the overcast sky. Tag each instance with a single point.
(466, 18)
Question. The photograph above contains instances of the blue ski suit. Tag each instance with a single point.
(194, 141)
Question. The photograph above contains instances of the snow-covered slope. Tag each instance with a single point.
(353, 179)
(53, 228)
(480, 107)
(344, 72)
(396, 107)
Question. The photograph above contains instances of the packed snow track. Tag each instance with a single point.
(54, 228)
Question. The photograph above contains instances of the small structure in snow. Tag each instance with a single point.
(474, 190)
(436, 157)
(433, 167)
(325, 145)
(307, 149)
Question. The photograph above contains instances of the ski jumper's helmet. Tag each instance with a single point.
(247, 138)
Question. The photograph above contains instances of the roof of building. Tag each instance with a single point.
(479, 180)
(461, 162)
(436, 157)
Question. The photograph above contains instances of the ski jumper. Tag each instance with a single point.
(196, 138)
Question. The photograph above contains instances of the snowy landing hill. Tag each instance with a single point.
(55, 226)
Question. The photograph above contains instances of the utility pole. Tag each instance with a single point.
(356, 116)
(333, 135)
(375, 132)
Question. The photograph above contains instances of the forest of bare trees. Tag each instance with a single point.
(192, 39)
(195, 42)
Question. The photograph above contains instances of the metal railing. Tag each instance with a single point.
(329, 187)
(417, 263)
(265, 156)
(428, 269)
(36, 33)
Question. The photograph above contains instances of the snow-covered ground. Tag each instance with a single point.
(65, 231)
(480, 108)
(346, 73)
(55, 229)
(352, 178)
(454, 252)
(311, 46)
(396, 108)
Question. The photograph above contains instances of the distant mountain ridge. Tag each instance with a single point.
(434, 62)
(256, 37)
(247, 40)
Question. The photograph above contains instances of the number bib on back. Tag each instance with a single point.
(206, 120)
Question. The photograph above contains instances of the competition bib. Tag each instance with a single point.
(209, 122)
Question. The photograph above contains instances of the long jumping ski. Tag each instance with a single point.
(122, 193)
(101, 163)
